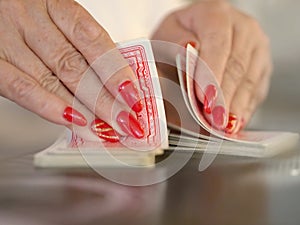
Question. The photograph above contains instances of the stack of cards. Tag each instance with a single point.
(62, 154)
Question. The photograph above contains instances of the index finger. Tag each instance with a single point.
(94, 43)
(215, 49)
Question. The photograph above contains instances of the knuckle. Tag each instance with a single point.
(236, 68)
(70, 67)
(22, 87)
(86, 32)
(250, 84)
(50, 83)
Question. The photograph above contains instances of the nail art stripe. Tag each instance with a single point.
(108, 138)
(232, 124)
(104, 131)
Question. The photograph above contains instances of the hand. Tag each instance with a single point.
(46, 48)
(235, 48)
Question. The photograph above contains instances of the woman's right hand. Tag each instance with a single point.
(46, 47)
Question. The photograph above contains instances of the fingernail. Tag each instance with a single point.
(232, 124)
(131, 95)
(219, 117)
(192, 43)
(104, 131)
(73, 116)
(130, 125)
(209, 98)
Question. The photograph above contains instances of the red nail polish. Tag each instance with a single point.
(192, 43)
(219, 116)
(209, 98)
(130, 94)
(232, 124)
(104, 131)
(73, 116)
(130, 125)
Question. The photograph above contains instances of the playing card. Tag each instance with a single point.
(199, 75)
(152, 119)
(181, 67)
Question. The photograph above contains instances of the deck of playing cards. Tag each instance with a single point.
(62, 154)
(189, 128)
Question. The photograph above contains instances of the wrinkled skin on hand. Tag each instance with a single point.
(46, 46)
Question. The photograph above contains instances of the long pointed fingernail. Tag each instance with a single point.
(73, 116)
(131, 95)
(219, 117)
(210, 98)
(104, 131)
(232, 125)
(130, 125)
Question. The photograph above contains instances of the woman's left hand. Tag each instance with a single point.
(235, 48)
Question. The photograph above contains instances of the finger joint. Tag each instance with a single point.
(50, 82)
(70, 68)
(87, 33)
(22, 87)
(236, 68)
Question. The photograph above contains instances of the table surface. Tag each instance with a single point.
(233, 190)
